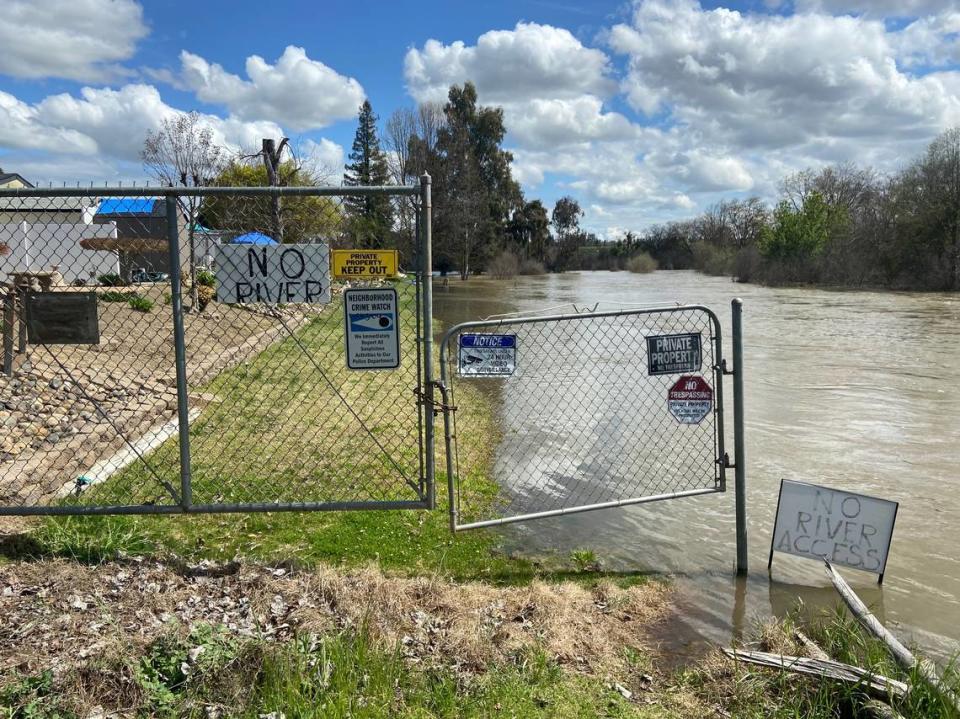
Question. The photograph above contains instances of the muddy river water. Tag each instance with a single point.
(856, 390)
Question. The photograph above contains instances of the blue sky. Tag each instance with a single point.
(644, 111)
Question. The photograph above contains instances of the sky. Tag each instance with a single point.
(643, 111)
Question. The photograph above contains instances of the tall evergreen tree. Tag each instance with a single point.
(370, 218)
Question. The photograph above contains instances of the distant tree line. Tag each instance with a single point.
(841, 225)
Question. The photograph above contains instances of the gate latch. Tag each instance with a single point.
(435, 406)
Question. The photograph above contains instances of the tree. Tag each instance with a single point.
(303, 218)
(370, 216)
(566, 216)
(182, 153)
(477, 194)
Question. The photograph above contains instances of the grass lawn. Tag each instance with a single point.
(299, 426)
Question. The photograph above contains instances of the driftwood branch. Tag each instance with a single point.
(874, 684)
(903, 656)
(813, 649)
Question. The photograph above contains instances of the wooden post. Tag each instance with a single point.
(8, 323)
(21, 297)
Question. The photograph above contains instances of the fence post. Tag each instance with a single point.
(8, 323)
(426, 269)
(739, 451)
(179, 343)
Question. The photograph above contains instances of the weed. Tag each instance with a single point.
(140, 304)
(111, 279)
(114, 296)
(585, 560)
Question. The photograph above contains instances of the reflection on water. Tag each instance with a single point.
(857, 390)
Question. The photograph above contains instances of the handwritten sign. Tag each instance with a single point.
(364, 264)
(849, 529)
(273, 274)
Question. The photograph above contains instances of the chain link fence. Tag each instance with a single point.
(579, 421)
(129, 386)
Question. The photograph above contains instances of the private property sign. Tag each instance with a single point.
(690, 399)
(364, 264)
(273, 274)
(853, 530)
(673, 354)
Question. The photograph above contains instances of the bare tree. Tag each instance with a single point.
(182, 153)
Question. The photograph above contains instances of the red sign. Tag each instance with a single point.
(690, 399)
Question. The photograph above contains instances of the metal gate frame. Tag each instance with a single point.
(424, 392)
(719, 370)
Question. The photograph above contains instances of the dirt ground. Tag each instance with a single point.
(52, 430)
(61, 616)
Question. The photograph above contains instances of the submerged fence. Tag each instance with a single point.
(145, 372)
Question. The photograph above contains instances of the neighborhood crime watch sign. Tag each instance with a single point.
(364, 264)
(273, 274)
(690, 399)
(371, 327)
(849, 529)
(673, 354)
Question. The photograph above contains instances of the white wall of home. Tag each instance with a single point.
(40, 246)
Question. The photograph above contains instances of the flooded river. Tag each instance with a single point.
(856, 390)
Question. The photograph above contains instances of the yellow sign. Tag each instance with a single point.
(364, 264)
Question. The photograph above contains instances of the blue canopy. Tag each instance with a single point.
(127, 206)
(253, 238)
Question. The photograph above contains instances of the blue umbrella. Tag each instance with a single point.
(253, 238)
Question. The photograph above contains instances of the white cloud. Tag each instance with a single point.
(74, 39)
(295, 92)
(876, 8)
(324, 157)
(530, 61)
(751, 82)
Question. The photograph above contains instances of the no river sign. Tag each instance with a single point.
(690, 399)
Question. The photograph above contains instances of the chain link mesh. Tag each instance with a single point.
(580, 422)
(276, 420)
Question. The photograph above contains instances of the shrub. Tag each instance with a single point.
(205, 294)
(111, 279)
(504, 265)
(641, 263)
(140, 304)
(712, 260)
(114, 296)
(205, 278)
(532, 267)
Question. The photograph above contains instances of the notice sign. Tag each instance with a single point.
(488, 355)
(364, 264)
(273, 274)
(673, 354)
(690, 399)
(852, 530)
(372, 328)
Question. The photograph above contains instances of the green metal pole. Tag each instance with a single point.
(739, 450)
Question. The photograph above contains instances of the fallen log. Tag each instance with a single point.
(903, 656)
(876, 685)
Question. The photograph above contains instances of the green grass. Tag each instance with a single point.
(274, 429)
(337, 675)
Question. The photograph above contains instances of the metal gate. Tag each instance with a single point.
(171, 401)
(580, 414)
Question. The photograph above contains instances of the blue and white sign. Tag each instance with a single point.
(486, 355)
(371, 331)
